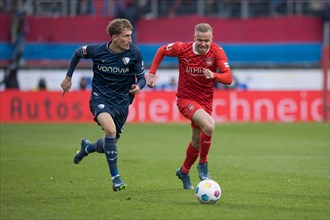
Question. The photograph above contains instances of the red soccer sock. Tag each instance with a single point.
(205, 147)
(191, 157)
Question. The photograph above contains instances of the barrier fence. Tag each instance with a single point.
(160, 107)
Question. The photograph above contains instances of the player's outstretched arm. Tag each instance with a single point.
(171, 50)
(67, 83)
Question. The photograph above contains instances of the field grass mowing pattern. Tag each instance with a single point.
(266, 171)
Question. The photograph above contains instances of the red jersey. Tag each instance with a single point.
(192, 83)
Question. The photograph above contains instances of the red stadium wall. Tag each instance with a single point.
(92, 29)
(255, 30)
(268, 41)
(159, 107)
(60, 30)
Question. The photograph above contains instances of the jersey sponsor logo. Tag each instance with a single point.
(195, 71)
(84, 50)
(126, 60)
(209, 61)
(112, 69)
(169, 46)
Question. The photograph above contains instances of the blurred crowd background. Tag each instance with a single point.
(278, 51)
(266, 35)
(151, 9)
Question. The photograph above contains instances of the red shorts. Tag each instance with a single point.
(188, 107)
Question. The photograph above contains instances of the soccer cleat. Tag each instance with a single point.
(203, 171)
(81, 153)
(185, 178)
(118, 184)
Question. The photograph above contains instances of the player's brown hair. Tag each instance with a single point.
(118, 25)
(203, 27)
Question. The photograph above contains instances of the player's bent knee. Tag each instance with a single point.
(209, 129)
(110, 132)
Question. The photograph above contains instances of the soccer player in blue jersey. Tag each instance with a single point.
(118, 76)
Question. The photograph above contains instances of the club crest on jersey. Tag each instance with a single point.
(101, 106)
(126, 60)
(209, 61)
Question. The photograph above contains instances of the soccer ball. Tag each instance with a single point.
(208, 192)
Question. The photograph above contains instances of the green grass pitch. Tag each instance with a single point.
(266, 171)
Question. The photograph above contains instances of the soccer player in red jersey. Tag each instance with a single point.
(199, 61)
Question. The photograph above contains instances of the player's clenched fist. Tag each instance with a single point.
(151, 80)
(208, 74)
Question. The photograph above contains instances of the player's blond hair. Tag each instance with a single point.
(118, 25)
(203, 27)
